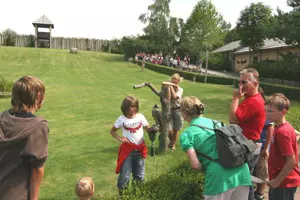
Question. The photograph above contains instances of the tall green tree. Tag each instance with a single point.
(231, 36)
(204, 29)
(253, 24)
(288, 24)
(162, 30)
(294, 3)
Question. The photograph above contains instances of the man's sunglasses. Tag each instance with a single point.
(243, 82)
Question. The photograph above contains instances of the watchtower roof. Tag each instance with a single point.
(43, 22)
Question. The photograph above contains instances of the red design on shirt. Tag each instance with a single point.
(134, 129)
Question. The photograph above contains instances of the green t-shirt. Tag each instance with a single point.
(217, 178)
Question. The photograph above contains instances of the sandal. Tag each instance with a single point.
(259, 196)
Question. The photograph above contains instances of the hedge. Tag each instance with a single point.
(192, 76)
(179, 182)
(293, 93)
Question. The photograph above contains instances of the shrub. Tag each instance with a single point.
(9, 37)
(281, 70)
(5, 85)
(293, 93)
(180, 182)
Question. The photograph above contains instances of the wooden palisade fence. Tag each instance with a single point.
(64, 43)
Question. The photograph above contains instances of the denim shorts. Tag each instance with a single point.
(134, 163)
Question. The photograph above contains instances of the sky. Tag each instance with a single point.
(105, 19)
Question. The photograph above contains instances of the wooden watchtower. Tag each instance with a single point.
(43, 39)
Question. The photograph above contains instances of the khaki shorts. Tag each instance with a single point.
(176, 120)
(262, 168)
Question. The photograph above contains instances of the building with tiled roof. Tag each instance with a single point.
(269, 52)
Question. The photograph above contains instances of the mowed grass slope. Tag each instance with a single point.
(83, 96)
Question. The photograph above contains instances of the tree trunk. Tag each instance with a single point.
(166, 120)
(165, 116)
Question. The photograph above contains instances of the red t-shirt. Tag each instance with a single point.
(251, 116)
(283, 144)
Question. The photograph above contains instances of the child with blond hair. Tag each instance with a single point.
(85, 188)
(284, 173)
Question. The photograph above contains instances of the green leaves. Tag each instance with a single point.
(9, 37)
(204, 28)
(162, 31)
(253, 25)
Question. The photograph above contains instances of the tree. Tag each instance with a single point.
(162, 31)
(253, 24)
(288, 24)
(204, 29)
(132, 45)
(294, 3)
(231, 36)
(9, 37)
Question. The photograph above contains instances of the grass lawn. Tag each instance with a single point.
(83, 96)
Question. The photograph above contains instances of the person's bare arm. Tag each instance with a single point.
(173, 93)
(297, 135)
(194, 161)
(234, 105)
(36, 178)
(236, 95)
(165, 83)
(270, 130)
(146, 128)
(114, 133)
(290, 163)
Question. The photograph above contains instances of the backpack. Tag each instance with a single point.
(233, 148)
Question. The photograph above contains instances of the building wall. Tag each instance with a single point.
(242, 60)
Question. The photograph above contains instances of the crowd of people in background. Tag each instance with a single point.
(174, 61)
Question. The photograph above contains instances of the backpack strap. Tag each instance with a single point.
(205, 156)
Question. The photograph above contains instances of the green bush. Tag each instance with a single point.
(280, 70)
(5, 85)
(179, 182)
(9, 37)
(292, 93)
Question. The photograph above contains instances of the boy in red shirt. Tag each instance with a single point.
(284, 174)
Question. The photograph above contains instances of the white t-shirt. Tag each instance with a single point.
(132, 129)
